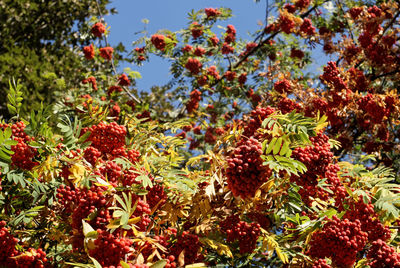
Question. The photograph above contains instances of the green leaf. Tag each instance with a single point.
(277, 146)
(285, 148)
(121, 202)
(95, 262)
(87, 228)
(118, 213)
(84, 137)
(7, 133)
(6, 158)
(10, 143)
(159, 264)
(124, 264)
(11, 109)
(92, 234)
(124, 218)
(271, 145)
(145, 180)
(14, 97)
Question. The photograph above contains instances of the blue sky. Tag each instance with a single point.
(172, 15)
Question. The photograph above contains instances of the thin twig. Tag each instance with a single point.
(112, 59)
(387, 26)
(374, 77)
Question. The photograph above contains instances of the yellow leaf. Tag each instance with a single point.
(361, 263)
(283, 256)
(196, 265)
(140, 259)
(113, 225)
(321, 124)
(78, 172)
(268, 185)
(221, 249)
(134, 220)
(181, 258)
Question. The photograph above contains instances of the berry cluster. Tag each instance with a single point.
(315, 105)
(123, 80)
(199, 51)
(156, 196)
(23, 153)
(113, 89)
(339, 240)
(195, 98)
(88, 51)
(209, 136)
(230, 76)
(79, 204)
(214, 41)
(230, 36)
(92, 81)
(158, 41)
(202, 80)
(296, 53)
(98, 29)
(227, 49)
(301, 4)
(257, 116)
(7, 246)
(107, 137)
(191, 244)
(106, 53)
(373, 107)
(110, 249)
(32, 258)
(321, 263)
(260, 218)
(246, 233)
(316, 157)
(283, 86)
(370, 222)
(331, 77)
(381, 255)
(242, 78)
(91, 155)
(245, 171)
(286, 24)
(212, 12)
(286, 105)
(196, 29)
(213, 72)
(355, 12)
(307, 28)
(142, 210)
(193, 65)
(10, 257)
(140, 53)
(249, 47)
(112, 171)
(318, 160)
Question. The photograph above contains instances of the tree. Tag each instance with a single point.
(245, 170)
(39, 45)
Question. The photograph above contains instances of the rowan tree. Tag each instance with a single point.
(246, 160)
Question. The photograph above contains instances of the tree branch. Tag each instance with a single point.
(112, 59)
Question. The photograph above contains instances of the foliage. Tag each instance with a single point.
(244, 162)
(40, 38)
